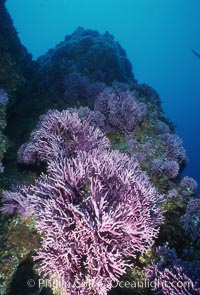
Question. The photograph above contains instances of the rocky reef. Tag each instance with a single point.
(14, 58)
(99, 57)
(92, 196)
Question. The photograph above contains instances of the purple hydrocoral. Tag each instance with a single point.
(160, 154)
(79, 88)
(61, 134)
(120, 108)
(161, 127)
(172, 281)
(166, 257)
(171, 275)
(188, 185)
(192, 270)
(174, 149)
(95, 208)
(3, 98)
(93, 211)
(172, 193)
(3, 102)
(16, 202)
(1, 168)
(183, 191)
(166, 168)
(191, 220)
(94, 118)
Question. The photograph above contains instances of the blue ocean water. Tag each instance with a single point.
(158, 37)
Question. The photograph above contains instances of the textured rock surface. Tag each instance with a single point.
(97, 56)
(14, 58)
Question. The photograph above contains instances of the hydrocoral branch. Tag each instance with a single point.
(166, 168)
(17, 202)
(169, 274)
(3, 141)
(93, 211)
(121, 109)
(172, 281)
(191, 220)
(3, 98)
(61, 134)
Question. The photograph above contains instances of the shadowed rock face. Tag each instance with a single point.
(14, 58)
(14, 64)
(99, 57)
(15, 69)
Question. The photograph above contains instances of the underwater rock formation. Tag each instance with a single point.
(14, 58)
(14, 66)
(99, 57)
